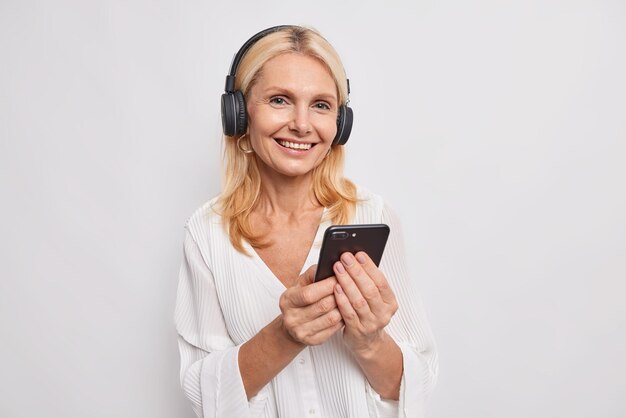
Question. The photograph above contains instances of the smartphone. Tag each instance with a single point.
(338, 239)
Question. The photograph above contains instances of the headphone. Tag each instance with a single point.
(234, 117)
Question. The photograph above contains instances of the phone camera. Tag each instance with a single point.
(339, 235)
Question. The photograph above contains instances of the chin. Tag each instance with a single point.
(294, 172)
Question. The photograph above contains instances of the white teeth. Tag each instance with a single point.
(294, 145)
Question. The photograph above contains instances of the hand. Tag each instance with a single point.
(309, 311)
(365, 300)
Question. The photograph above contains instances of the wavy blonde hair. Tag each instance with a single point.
(241, 178)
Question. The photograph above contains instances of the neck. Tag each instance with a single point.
(283, 195)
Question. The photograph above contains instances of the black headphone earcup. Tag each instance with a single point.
(345, 118)
(234, 122)
(242, 121)
(228, 114)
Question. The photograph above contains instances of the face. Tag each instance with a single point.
(292, 111)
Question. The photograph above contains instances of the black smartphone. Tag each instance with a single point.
(338, 239)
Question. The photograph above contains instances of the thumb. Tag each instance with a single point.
(307, 277)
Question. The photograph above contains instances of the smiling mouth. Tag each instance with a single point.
(294, 145)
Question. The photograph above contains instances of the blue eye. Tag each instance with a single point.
(278, 100)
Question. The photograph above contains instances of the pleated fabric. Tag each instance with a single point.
(225, 297)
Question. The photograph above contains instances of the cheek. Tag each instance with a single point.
(328, 129)
(264, 122)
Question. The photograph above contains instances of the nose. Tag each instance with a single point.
(300, 121)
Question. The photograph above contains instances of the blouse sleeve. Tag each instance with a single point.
(209, 368)
(410, 330)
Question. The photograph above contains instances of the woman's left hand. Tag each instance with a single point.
(365, 301)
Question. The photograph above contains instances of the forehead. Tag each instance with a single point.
(297, 71)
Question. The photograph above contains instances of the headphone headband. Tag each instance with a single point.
(230, 86)
(234, 118)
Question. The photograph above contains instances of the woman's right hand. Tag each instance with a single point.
(309, 311)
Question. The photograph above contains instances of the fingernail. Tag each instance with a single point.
(360, 258)
(340, 268)
(347, 259)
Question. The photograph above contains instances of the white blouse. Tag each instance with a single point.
(225, 298)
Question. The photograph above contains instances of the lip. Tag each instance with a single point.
(292, 151)
(295, 141)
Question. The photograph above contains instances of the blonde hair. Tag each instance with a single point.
(241, 178)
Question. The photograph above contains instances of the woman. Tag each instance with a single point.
(257, 337)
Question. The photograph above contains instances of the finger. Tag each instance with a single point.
(313, 331)
(352, 292)
(366, 285)
(319, 308)
(301, 296)
(325, 334)
(377, 276)
(328, 320)
(349, 315)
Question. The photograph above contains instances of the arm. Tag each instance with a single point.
(409, 327)
(222, 379)
(309, 317)
(394, 349)
(367, 304)
(208, 369)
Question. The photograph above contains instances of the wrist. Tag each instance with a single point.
(370, 350)
(288, 340)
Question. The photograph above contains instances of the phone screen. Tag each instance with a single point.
(338, 239)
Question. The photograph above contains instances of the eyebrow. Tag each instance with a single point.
(281, 90)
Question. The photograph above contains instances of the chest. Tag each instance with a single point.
(287, 250)
(249, 286)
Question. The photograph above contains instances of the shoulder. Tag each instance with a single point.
(370, 206)
(203, 217)
(204, 226)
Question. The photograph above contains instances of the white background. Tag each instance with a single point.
(497, 130)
